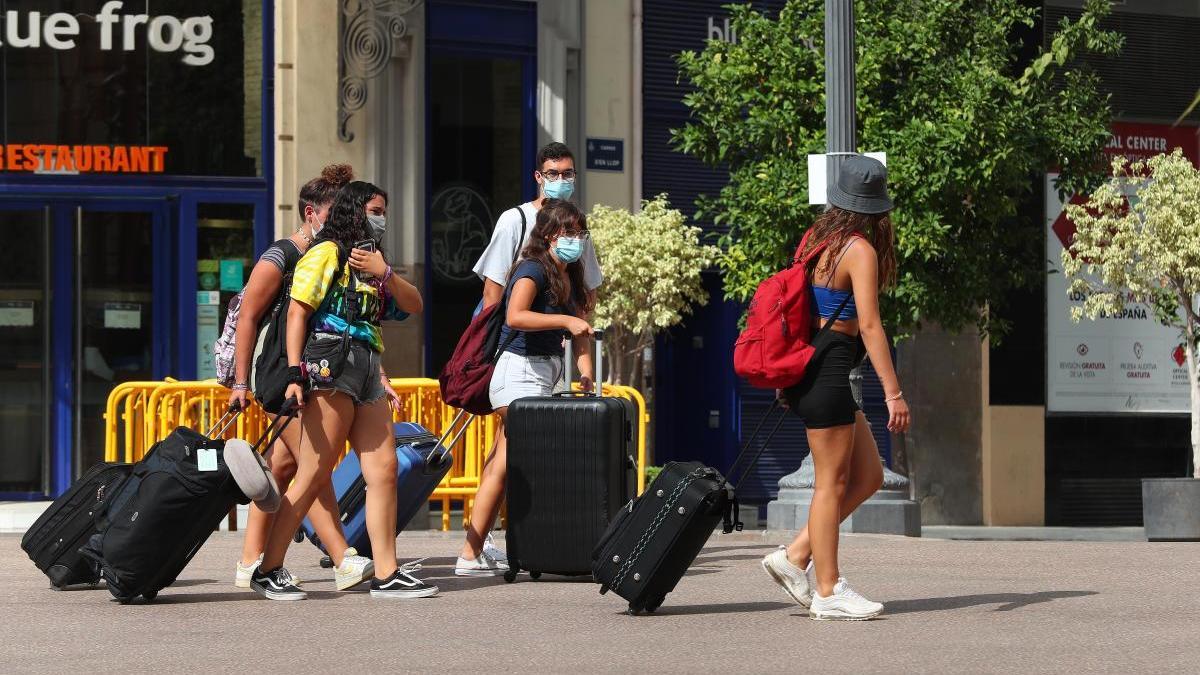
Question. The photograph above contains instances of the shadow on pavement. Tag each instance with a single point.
(168, 598)
(705, 560)
(721, 608)
(1007, 601)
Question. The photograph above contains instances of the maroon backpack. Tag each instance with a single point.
(468, 373)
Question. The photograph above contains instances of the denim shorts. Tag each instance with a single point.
(519, 376)
(360, 376)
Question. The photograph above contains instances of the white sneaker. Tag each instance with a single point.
(494, 552)
(797, 583)
(844, 605)
(241, 578)
(354, 570)
(483, 565)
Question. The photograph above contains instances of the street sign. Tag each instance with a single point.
(606, 154)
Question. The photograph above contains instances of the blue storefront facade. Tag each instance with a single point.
(136, 191)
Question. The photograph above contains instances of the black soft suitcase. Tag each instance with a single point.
(569, 460)
(166, 511)
(54, 539)
(652, 542)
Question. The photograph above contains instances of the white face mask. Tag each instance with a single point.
(316, 225)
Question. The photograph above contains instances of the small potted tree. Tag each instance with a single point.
(1147, 250)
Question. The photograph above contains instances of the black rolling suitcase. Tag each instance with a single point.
(650, 545)
(174, 499)
(54, 539)
(569, 470)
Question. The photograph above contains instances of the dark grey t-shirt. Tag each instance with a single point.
(541, 342)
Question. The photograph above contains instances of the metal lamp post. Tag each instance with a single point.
(889, 511)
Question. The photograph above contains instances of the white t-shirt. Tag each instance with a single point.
(497, 258)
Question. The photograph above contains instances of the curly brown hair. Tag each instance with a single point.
(833, 230)
(555, 217)
(321, 190)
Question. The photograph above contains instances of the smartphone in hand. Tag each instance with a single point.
(365, 245)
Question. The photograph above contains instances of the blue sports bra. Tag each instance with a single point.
(827, 300)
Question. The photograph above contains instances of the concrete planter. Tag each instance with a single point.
(1171, 509)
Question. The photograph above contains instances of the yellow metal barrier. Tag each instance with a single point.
(140, 414)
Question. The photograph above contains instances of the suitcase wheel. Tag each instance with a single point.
(298, 537)
(603, 589)
(654, 604)
(535, 575)
(150, 595)
(510, 576)
(634, 608)
(327, 562)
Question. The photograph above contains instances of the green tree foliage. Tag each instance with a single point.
(652, 264)
(940, 90)
(1143, 250)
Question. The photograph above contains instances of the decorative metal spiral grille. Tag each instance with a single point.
(367, 31)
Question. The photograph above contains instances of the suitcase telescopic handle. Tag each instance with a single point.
(569, 367)
(223, 424)
(450, 430)
(287, 413)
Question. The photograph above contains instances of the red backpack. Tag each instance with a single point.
(774, 349)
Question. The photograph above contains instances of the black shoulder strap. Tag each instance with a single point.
(521, 240)
(291, 255)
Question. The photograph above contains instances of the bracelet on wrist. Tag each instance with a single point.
(899, 395)
(387, 275)
(240, 386)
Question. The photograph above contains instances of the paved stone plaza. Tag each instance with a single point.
(952, 607)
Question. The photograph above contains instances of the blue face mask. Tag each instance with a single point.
(568, 249)
(558, 189)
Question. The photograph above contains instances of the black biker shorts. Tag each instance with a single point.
(823, 398)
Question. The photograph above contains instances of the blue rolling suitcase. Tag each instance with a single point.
(422, 463)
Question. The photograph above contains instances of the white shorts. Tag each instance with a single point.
(519, 376)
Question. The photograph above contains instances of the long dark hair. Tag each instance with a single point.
(347, 222)
(555, 215)
(833, 230)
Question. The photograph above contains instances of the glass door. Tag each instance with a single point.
(119, 326)
(25, 334)
(481, 158)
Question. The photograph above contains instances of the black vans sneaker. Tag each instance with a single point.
(402, 584)
(276, 585)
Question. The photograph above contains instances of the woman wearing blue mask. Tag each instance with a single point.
(546, 300)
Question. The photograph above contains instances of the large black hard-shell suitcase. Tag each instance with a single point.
(54, 539)
(171, 505)
(648, 548)
(569, 470)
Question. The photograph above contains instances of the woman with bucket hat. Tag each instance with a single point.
(856, 260)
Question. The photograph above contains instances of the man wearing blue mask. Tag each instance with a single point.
(556, 177)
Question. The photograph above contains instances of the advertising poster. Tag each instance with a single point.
(1126, 363)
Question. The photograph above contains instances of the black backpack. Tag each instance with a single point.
(268, 376)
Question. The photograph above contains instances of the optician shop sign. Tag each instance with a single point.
(1123, 363)
(117, 30)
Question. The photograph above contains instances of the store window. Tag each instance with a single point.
(225, 251)
(170, 86)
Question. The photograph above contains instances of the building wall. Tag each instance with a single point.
(306, 64)
(609, 98)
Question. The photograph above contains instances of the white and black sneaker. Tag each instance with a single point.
(276, 585)
(402, 584)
